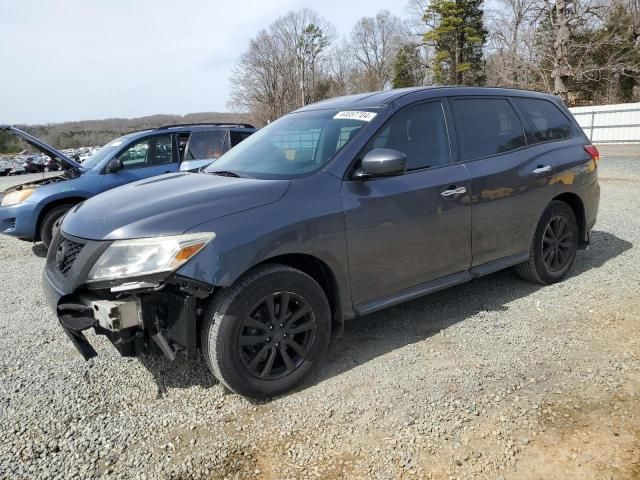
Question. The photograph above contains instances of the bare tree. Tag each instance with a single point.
(341, 70)
(374, 43)
(285, 66)
(509, 61)
(306, 37)
(561, 14)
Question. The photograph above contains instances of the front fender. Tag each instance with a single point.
(308, 220)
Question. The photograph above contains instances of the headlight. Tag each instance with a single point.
(147, 256)
(16, 197)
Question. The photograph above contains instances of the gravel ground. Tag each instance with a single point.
(497, 378)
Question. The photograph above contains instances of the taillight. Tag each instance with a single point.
(593, 151)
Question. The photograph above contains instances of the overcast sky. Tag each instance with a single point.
(80, 59)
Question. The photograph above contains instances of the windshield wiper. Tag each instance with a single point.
(225, 173)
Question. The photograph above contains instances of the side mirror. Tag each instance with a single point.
(114, 165)
(382, 162)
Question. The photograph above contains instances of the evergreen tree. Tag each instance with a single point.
(457, 34)
(407, 67)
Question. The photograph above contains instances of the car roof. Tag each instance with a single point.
(193, 127)
(385, 97)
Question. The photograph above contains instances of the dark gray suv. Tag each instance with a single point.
(333, 211)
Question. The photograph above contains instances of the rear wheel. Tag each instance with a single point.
(264, 335)
(48, 225)
(554, 247)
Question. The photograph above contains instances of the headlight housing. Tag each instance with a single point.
(147, 256)
(16, 197)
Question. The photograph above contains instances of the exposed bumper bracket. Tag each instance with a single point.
(74, 319)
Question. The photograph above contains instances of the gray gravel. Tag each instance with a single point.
(497, 378)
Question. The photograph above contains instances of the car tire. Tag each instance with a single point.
(252, 346)
(554, 246)
(48, 223)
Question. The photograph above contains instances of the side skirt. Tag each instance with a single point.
(499, 264)
(411, 293)
(439, 284)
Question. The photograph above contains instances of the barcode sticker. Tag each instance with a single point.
(355, 115)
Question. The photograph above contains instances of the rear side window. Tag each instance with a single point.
(486, 126)
(546, 121)
(237, 137)
(206, 145)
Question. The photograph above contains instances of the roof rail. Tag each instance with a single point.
(207, 124)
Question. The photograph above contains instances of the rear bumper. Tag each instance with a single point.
(19, 220)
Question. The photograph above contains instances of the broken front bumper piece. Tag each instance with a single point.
(154, 323)
(108, 317)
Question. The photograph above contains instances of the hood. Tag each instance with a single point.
(168, 205)
(42, 147)
(36, 183)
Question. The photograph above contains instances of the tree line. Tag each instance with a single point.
(586, 51)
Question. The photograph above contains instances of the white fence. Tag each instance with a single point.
(610, 123)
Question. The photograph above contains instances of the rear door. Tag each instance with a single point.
(408, 230)
(511, 183)
(144, 158)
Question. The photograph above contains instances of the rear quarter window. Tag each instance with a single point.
(206, 145)
(486, 126)
(237, 137)
(545, 120)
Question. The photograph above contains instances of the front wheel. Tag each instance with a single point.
(264, 335)
(49, 222)
(554, 247)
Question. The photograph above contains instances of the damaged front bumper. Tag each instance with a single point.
(144, 318)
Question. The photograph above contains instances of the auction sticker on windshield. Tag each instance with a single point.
(355, 115)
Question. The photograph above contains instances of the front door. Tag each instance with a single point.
(408, 230)
(144, 158)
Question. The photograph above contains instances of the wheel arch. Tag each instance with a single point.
(50, 206)
(319, 271)
(577, 206)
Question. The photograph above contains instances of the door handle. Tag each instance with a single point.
(542, 170)
(453, 192)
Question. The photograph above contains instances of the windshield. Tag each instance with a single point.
(294, 145)
(103, 153)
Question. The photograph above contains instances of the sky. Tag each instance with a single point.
(63, 60)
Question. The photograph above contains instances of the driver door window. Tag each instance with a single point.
(420, 132)
(148, 152)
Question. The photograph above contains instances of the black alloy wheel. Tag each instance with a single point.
(557, 243)
(266, 334)
(554, 246)
(276, 335)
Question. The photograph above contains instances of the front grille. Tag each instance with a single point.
(66, 254)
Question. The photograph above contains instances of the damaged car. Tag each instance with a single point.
(31, 211)
(331, 212)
